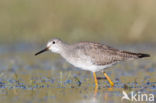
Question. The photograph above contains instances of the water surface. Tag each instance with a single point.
(49, 78)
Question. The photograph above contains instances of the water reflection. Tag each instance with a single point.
(103, 96)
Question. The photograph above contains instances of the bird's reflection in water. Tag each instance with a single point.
(97, 97)
(96, 90)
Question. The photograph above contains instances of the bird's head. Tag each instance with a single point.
(54, 45)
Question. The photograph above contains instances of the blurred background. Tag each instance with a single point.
(121, 21)
(27, 25)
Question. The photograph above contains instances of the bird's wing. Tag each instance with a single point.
(101, 54)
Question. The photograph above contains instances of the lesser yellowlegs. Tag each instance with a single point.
(90, 56)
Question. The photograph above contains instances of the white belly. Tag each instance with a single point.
(85, 63)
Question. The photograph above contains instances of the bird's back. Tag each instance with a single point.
(101, 54)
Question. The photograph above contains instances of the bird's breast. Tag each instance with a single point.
(81, 61)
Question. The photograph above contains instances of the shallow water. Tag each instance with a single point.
(48, 78)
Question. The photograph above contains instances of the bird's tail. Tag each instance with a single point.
(131, 55)
(141, 55)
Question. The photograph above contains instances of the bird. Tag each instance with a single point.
(90, 56)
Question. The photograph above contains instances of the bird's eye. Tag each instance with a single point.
(53, 42)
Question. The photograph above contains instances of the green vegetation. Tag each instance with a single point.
(101, 20)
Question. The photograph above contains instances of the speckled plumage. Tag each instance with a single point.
(91, 56)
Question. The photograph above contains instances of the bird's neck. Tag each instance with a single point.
(64, 49)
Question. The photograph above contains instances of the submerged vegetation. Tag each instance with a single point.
(26, 78)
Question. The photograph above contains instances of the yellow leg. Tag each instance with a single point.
(96, 84)
(109, 80)
(96, 81)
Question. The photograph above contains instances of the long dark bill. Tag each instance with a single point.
(46, 49)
